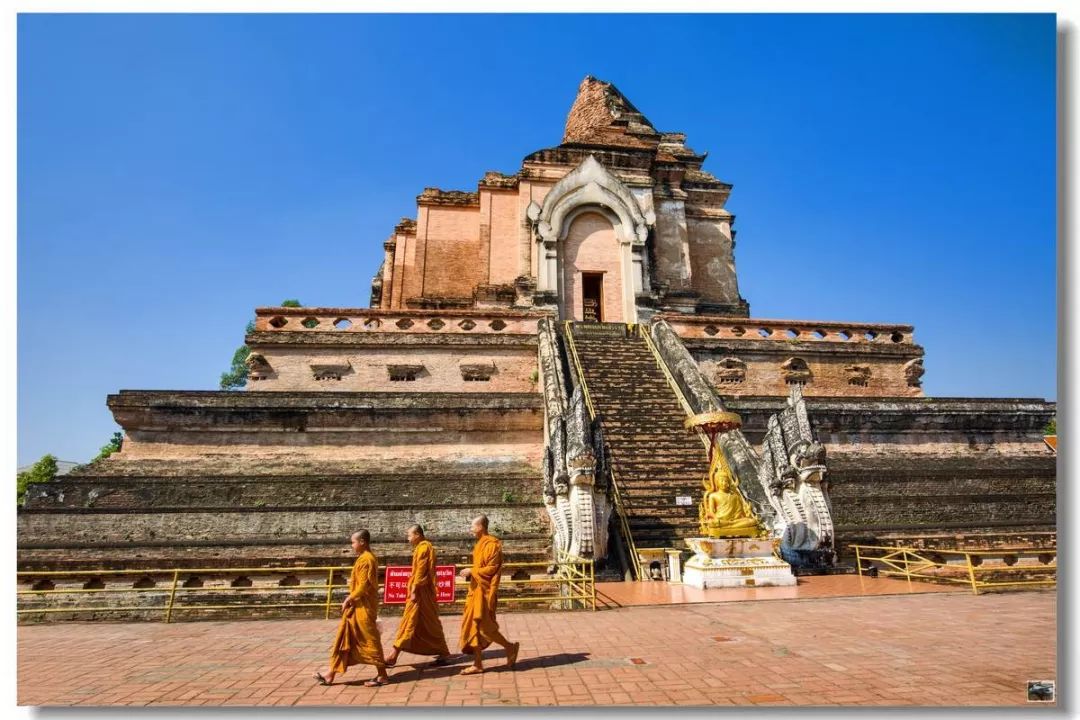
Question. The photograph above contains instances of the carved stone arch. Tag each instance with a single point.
(629, 230)
(591, 187)
(590, 183)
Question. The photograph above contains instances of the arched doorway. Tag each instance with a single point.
(591, 282)
(610, 241)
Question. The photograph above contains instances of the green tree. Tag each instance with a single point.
(1051, 427)
(237, 375)
(109, 448)
(44, 470)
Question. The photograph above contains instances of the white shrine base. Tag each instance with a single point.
(735, 562)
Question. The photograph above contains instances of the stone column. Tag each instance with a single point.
(631, 280)
(672, 244)
(388, 272)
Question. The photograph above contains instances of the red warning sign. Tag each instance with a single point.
(397, 581)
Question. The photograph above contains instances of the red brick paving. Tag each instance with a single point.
(927, 649)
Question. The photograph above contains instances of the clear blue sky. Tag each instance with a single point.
(174, 172)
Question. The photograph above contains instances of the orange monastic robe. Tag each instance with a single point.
(420, 631)
(357, 641)
(478, 626)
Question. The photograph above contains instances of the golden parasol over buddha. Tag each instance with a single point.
(723, 512)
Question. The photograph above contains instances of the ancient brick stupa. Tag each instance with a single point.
(461, 389)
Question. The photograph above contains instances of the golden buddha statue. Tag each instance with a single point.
(724, 512)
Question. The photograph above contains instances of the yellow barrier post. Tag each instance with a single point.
(592, 582)
(329, 592)
(573, 583)
(858, 560)
(172, 596)
(971, 574)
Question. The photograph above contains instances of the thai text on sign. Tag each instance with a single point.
(396, 584)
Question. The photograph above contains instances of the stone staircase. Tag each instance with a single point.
(654, 458)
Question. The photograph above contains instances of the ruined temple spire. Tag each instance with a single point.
(601, 115)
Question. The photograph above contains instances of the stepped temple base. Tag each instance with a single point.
(741, 562)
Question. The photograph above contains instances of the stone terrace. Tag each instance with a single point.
(942, 649)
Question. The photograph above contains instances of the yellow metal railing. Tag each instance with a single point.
(969, 566)
(616, 494)
(573, 586)
(580, 577)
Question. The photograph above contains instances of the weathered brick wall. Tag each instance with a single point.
(905, 494)
(712, 258)
(247, 430)
(670, 266)
(457, 486)
(927, 466)
(456, 259)
(442, 369)
(504, 221)
(255, 526)
(830, 373)
(219, 479)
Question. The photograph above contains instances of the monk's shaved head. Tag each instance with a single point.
(417, 528)
(362, 535)
(479, 526)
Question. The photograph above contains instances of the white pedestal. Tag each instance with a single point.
(674, 559)
(735, 562)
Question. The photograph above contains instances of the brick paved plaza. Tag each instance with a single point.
(933, 649)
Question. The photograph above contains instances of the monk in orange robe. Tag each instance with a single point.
(420, 631)
(478, 626)
(357, 641)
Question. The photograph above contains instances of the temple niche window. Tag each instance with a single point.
(330, 369)
(858, 375)
(795, 371)
(477, 372)
(404, 373)
(730, 371)
(258, 367)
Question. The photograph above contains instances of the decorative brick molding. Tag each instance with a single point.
(367, 320)
(715, 327)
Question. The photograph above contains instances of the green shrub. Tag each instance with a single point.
(44, 470)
